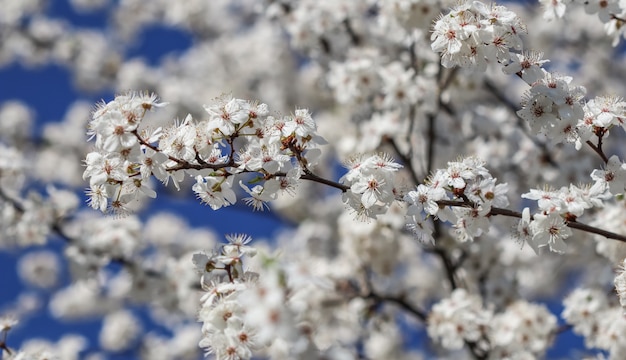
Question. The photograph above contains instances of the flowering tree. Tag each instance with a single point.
(479, 183)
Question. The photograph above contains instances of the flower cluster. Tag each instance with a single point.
(120, 331)
(612, 178)
(362, 77)
(548, 227)
(7, 322)
(474, 35)
(224, 330)
(620, 284)
(462, 194)
(611, 216)
(119, 169)
(603, 326)
(244, 314)
(552, 106)
(29, 221)
(355, 80)
(610, 13)
(601, 114)
(458, 319)
(524, 329)
(238, 137)
(308, 22)
(371, 182)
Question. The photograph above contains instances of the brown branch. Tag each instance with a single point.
(447, 264)
(317, 179)
(595, 230)
(3, 344)
(401, 302)
(516, 214)
(202, 165)
(617, 18)
(598, 149)
(406, 160)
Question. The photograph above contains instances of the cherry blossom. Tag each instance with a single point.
(460, 144)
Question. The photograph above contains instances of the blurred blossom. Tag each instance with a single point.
(16, 121)
(120, 330)
(40, 269)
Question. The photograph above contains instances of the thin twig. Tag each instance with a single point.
(406, 160)
(516, 214)
(598, 149)
(418, 313)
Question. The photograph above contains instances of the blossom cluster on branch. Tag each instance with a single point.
(479, 190)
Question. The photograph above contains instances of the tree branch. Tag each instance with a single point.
(418, 313)
(598, 149)
(516, 214)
